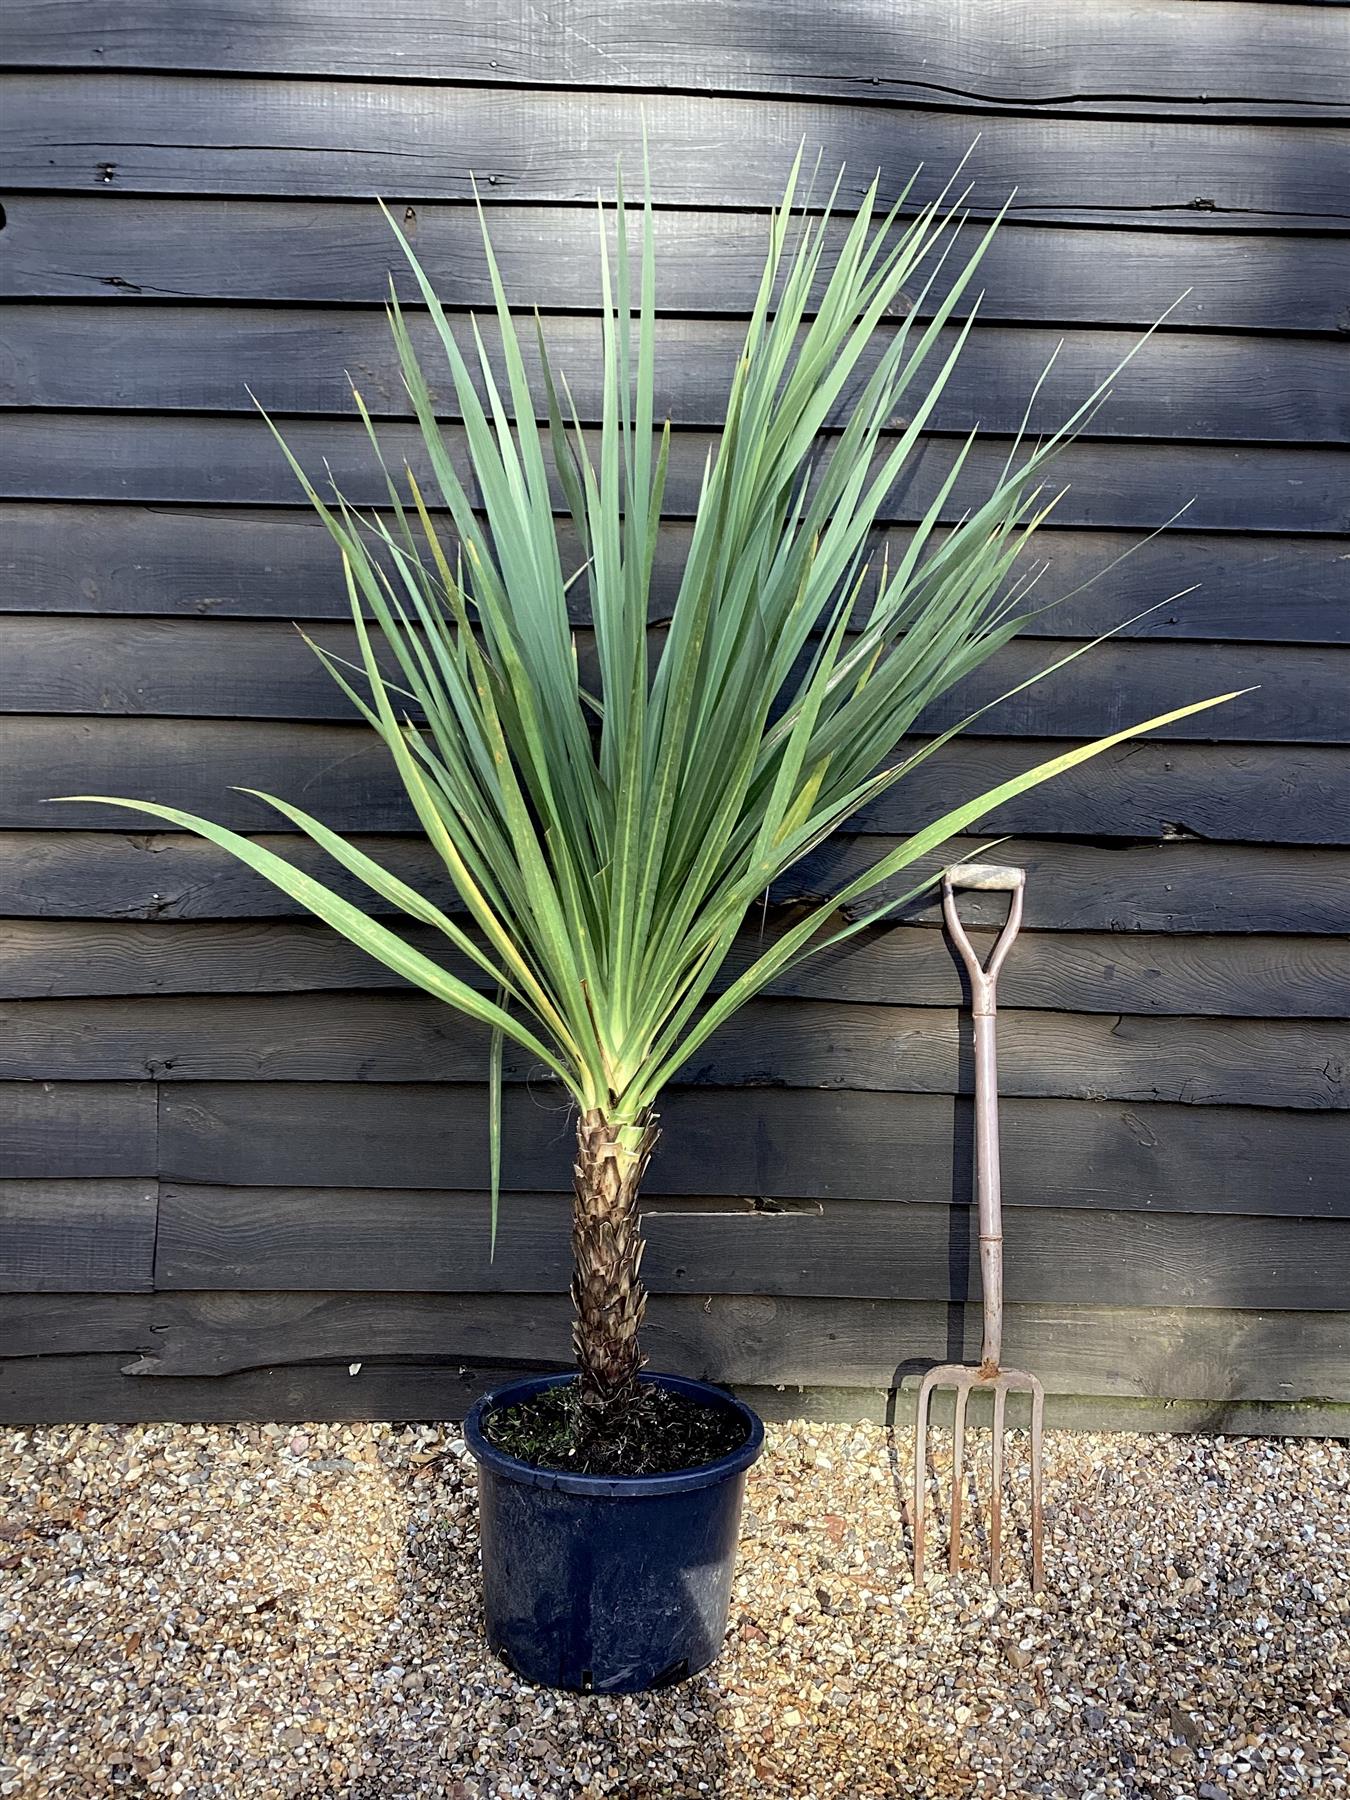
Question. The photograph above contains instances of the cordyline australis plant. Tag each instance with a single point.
(607, 835)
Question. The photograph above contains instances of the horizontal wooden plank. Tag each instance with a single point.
(122, 753)
(77, 1237)
(819, 1044)
(83, 1389)
(1126, 887)
(74, 1324)
(855, 1249)
(261, 563)
(131, 247)
(791, 1043)
(221, 460)
(1176, 886)
(198, 1340)
(177, 358)
(1152, 790)
(1149, 789)
(765, 1143)
(237, 135)
(244, 669)
(69, 1130)
(744, 1340)
(1227, 977)
(92, 1389)
(1164, 56)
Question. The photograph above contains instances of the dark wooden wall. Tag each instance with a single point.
(237, 1158)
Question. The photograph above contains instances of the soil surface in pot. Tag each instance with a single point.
(654, 1432)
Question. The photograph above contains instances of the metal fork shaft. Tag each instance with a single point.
(984, 1011)
(989, 1186)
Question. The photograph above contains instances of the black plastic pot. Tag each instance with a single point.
(608, 1584)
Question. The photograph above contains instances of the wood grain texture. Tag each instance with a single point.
(76, 1237)
(1129, 886)
(54, 1131)
(1224, 977)
(241, 669)
(177, 1338)
(132, 248)
(37, 1389)
(1265, 794)
(56, 1389)
(59, 1325)
(788, 1043)
(76, 558)
(764, 1143)
(153, 359)
(746, 1341)
(1162, 57)
(858, 1249)
(1176, 886)
(194, 213)
(218, 460)
(240, 135)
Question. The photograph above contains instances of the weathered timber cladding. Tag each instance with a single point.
(1165, 789)
(1120, 484)
(779, 1043)
(1173, 886)
(858, 1249)
(265, 670)
(335, 139)
(159, 247)
(784, 1143)
(235, 1157)
(198, 358)
(1086, 972)
(152, 561)
(184, 1335)
(1107, 57)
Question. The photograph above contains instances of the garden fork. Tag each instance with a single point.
(989, 1375)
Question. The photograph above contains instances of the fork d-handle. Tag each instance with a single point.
(986, 878)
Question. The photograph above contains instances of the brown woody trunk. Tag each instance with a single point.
(606, 1252)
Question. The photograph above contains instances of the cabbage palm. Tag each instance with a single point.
(608, 821)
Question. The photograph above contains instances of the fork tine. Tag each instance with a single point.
(920, 1471)
(1037, 1524)
(958, 1476)
(996, 1495)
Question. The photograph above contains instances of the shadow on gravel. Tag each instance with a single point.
(471, 1729)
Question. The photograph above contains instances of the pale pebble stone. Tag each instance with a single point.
(216, 1626)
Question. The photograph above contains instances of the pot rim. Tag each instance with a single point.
(614, 1487)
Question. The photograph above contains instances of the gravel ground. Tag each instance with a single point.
(272, 1612)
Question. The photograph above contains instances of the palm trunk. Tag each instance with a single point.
(606, 1252)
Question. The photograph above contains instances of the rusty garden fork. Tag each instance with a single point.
(989, 1376)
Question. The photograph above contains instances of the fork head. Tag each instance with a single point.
(962, 1380)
